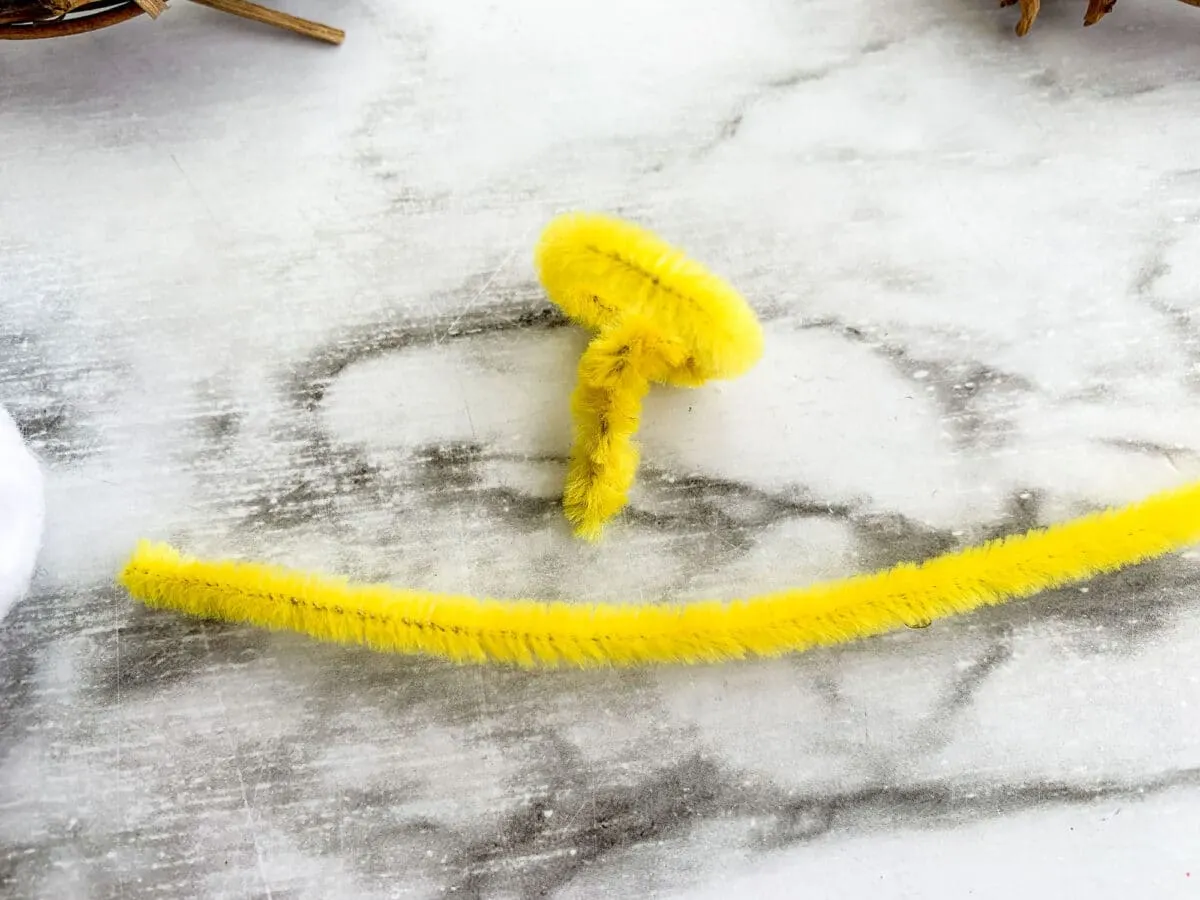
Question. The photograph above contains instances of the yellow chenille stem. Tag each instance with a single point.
(529, 633)
(604, 459)
(614, 376)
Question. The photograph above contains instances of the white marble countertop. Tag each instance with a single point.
(271, 299)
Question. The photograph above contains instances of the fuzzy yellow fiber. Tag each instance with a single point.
(529, 633)
(658, 317)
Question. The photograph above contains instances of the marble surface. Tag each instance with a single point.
(268, 299)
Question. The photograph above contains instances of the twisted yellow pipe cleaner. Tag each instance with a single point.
(657, 317)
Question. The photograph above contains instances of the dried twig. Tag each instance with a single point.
(256, 13)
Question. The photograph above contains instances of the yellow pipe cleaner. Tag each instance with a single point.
(658, 317)
(528, 633)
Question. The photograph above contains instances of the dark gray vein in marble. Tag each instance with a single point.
(731, 125)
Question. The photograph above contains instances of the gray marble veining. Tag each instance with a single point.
(276, 302)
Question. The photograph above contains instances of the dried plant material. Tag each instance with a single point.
(1029, 12)
(256, 13)
(15, 13)
(43, 10)
(48, 23)
(1096, 10)
(36, 19)
(152, 8)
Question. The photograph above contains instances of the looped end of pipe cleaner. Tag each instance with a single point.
(658, 317)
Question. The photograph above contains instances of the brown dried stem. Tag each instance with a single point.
(256, 13)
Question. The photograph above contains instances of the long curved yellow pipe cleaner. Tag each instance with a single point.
(528, 633)
(658, 317)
